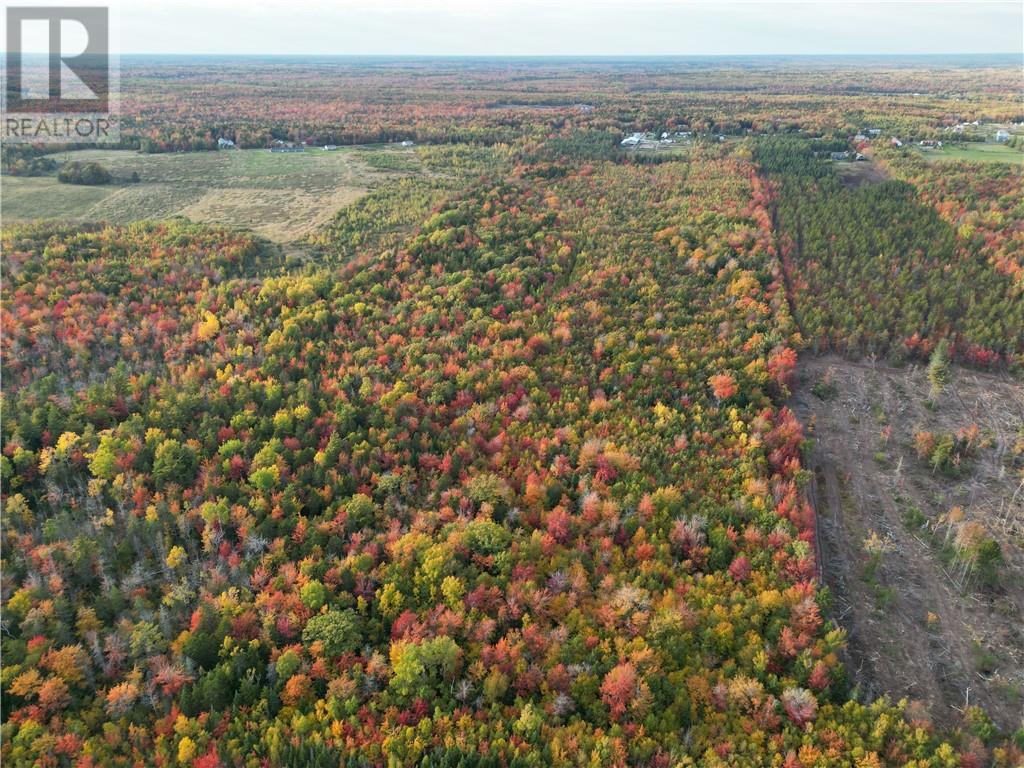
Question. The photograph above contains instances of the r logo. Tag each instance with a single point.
(73, 75)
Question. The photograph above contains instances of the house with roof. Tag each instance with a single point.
(1002, 135)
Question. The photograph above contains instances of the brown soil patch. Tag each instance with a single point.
(972, 648)
(858, 173)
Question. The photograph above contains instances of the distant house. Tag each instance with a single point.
(330, 147)
(1002, 135)
(632, 140)
(838, 155)
(874, 131)
(859, 156)
(928, 143)
(861, 137)
(223, 143)
(896, 142)
(585, 108)
(407, 143)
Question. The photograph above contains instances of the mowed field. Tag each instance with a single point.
(283, 196)
(974, 152)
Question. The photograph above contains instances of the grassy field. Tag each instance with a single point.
(282, 196)
(974, 152)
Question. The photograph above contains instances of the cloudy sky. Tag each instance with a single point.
(567, 27)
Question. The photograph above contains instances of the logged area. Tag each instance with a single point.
(641, 414)
(912, 538)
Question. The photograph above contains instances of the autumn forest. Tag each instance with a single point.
(500, 465)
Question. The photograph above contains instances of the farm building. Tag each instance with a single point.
(330, 147)
(838, 155)
(1002, 135)
(407, 143)
(223, 143)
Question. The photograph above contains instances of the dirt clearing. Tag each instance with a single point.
(859, 173)
(934, 611)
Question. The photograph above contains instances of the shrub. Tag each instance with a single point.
(78, 172)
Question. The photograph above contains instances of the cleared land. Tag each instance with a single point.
(282, 196)
(974, 152)
(918, 628)
(857, 173)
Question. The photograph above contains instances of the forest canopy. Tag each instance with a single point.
(496, 468)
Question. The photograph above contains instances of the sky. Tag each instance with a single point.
(566, 27)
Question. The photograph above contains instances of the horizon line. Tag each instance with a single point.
(571, 55)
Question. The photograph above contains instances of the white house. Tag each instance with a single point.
(223, 143)
(1002, 135)
(406, 143)
(330, 147)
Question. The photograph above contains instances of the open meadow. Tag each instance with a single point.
(974, 152)
(282, 196)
